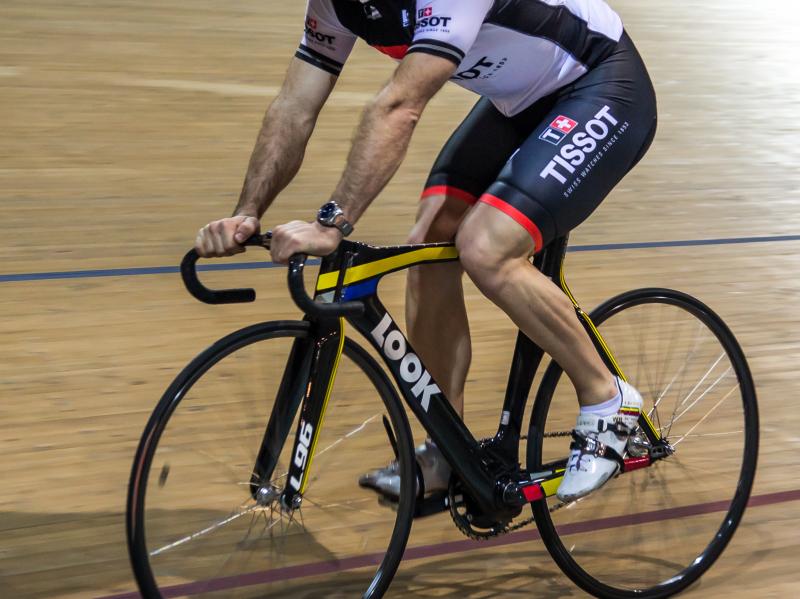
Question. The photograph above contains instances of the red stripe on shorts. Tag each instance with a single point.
(396, 52)
(523, 220)
(452, 192)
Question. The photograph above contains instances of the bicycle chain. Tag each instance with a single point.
(546, 435)
(476, 535)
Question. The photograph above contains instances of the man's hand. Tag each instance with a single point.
(298, 237)
(224, 237)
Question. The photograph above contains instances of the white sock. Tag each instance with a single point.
(607, 408)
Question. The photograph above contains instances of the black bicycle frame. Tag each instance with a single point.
(347, 287)
(308, 379)
(483, 467)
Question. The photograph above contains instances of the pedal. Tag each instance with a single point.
(386, 501)
(434, 503)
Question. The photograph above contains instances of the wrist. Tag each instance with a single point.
(330, 232)
(247, 209)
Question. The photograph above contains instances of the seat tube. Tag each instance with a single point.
(526, 360)
(524, 364)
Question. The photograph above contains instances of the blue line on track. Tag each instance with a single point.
(132, 272)
(160, 270)
(639, 245)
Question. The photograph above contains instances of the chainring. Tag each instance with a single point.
(468, 518)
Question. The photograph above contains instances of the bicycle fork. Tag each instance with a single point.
(306, 385)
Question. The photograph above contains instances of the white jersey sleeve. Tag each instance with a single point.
(448, 28)
(326, 42)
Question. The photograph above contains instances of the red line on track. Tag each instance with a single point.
(452, 547)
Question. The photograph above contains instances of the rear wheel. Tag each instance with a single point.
(652, 532)
(194, 527)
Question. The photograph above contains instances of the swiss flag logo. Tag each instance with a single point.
(312, 23)
(426, 12)
(563, 124)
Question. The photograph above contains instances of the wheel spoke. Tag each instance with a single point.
(204, 531)
(680, 372)
(207, 432)
(673, 514)
(706, 415)
(353, 432)
(677, 417)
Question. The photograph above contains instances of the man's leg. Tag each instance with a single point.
(436, 317)
(434, 311)
(547, 190)
(434, 298)
(435, 301)
(494, 251)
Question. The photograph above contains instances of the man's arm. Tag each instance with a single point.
(284, 135)
(276, 158)
(384, 134)
(381, 142)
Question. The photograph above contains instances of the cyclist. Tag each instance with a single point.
(566, 110)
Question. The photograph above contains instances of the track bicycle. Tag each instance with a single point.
(244, 482)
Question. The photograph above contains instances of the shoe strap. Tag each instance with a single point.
(588, 423)
(589, 445)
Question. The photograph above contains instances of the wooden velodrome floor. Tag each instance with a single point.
(127, 125)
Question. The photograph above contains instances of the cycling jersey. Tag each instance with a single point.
(567, 101)
(512, 52)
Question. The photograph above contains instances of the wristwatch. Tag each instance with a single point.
(331, 215)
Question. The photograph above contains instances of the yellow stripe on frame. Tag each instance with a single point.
(354, 274)
(593, 328)
(313, 449)
(565, 288)
(602, 342)
(604, 346)
(551, 486)
(650, 424)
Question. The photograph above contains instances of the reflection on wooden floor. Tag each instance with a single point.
(128, 125)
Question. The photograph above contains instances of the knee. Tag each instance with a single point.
(437, 220)
(480, 259)
(428, 233)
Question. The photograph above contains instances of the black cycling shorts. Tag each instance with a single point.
(550, 166)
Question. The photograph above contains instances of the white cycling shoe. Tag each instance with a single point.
(434, 468)
(598, 446)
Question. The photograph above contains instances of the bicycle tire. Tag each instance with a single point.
(584, 563)
(172, 400)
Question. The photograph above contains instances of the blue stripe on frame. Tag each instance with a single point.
(160, 270)
(360, 290)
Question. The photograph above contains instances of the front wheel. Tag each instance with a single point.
(195, 524)
(653, 532)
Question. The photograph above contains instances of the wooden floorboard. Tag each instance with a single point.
(128, 125)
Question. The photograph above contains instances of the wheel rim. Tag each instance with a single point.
(202, 533)
(659, 528)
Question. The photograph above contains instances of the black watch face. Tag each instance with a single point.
(327, 211)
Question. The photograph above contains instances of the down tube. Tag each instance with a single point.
(426, 400)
